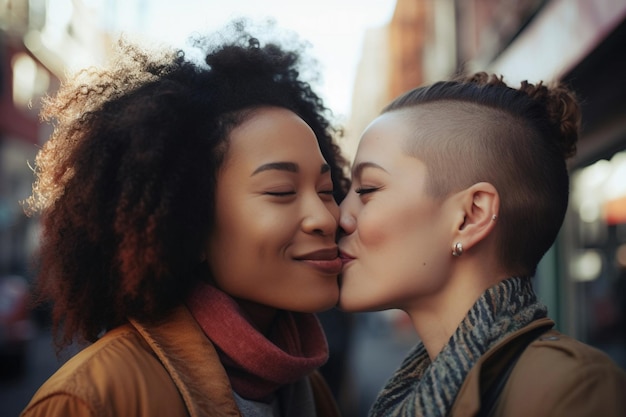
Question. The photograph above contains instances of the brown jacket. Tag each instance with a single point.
(555, 376)
(167, 370)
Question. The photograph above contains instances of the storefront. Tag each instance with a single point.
(583, 277)
(593, 242)
(595, 245)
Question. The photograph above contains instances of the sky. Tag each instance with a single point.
(334, 28)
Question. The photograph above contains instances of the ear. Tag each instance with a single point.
(480, 205)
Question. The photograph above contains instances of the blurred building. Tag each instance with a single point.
(581, 42)
(24, 79)
(41, 41)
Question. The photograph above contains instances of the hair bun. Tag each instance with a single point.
(562, 109)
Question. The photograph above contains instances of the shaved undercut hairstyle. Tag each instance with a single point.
(477, 129)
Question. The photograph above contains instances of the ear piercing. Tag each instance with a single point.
(457, 249)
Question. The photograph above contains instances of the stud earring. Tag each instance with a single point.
(457, 249)
(494, 217)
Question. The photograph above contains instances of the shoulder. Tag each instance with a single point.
(559, 375)
(114, 374)
(557, 353)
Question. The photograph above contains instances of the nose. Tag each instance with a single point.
(321, 216)
(347, 218)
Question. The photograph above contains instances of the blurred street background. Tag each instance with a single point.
(369, 52)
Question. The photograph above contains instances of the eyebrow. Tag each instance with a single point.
(286, 166)
(358, 169)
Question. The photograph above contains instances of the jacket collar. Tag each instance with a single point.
(192, 362)
(487, 368)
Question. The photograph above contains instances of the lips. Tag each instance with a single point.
(328, 254)
(326, 260)
(345, 257)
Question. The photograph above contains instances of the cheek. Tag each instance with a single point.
(382, 227)
(234, 242)
(247, 223)
(401, 239)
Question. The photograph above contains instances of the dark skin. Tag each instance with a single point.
(274, 242)
(125, 186)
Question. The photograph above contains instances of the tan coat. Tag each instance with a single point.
(555, 376)
(167, 370)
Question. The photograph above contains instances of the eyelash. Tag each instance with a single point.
(288, 193)
(281, 194)
(366, 190)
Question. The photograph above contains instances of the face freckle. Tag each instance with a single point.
(274, 207)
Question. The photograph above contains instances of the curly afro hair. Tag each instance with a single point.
(125, 185)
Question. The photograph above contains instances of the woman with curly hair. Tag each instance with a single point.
(459, 189)
(189, 214)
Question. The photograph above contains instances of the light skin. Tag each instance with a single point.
(274, 247)
(397, 246)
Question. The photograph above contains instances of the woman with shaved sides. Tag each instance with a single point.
(458, 190)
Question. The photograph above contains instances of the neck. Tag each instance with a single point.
(260, 316)
(436, 316)
(434, 385)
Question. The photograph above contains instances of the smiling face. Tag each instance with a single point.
(396, 247)
(274, 238)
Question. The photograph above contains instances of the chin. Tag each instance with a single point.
(317, 307)
(347, 302)
(346, 305)
(356, 302)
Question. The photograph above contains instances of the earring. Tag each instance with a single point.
(494, 217)
(457, 249)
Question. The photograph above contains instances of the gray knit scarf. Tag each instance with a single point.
(421, 387)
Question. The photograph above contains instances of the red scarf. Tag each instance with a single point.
(257, 365)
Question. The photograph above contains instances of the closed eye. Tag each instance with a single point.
(280, 193)
(366, 190)
(326, 195)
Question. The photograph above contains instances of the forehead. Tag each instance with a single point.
(417, 126)
(383, 147)
(273, 134)
(387, 134)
